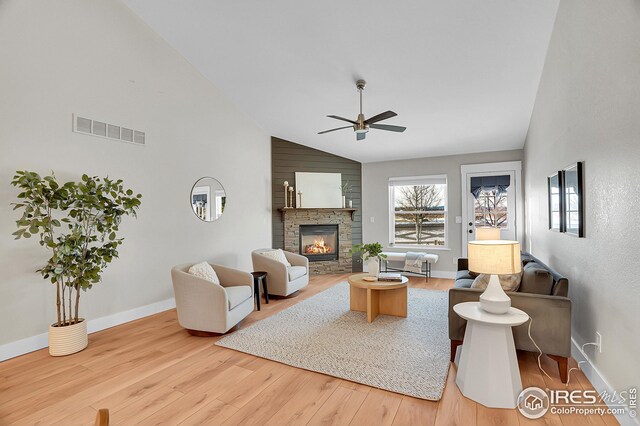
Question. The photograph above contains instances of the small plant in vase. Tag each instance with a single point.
(345, 188)
(370, 253)
(78, 222)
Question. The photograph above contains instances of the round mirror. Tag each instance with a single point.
(208, 199)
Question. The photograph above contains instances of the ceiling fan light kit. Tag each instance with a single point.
(361, 125)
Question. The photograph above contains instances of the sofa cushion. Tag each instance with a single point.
(277, 255)
(561, 288)
(508, 282)
(296, 272)
(205, 271)
(463, 283)
(464, 275)
(526, 258)
(237, 294)
(536, 279)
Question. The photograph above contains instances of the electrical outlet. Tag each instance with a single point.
(599, 341)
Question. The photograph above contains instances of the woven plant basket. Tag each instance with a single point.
(69, 339)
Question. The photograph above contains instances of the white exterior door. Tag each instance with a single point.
(495, 207)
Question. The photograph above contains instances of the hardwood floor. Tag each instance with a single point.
(151, 371)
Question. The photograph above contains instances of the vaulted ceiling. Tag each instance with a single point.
(461, 74)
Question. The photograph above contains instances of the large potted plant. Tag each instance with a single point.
(370, 253)
(78, 223)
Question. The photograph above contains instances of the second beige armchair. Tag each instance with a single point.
(282, 279)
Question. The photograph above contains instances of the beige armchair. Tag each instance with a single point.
(205, 308)
(282, 280)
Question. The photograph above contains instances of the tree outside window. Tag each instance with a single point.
(419, 214)
(491, 209)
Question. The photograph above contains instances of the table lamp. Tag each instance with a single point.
(487, 233)
(494, 257)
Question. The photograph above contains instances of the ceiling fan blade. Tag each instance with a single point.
(380, 117)
(388, 127)
(337, 117)
(333, 130)
(360, 136)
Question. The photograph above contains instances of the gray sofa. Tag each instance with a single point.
(542, 294)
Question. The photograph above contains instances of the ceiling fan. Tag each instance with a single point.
(362, 126)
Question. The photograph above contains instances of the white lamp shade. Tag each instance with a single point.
(494, 257)
(487, 233)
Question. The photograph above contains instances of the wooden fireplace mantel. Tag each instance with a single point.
(284, 210)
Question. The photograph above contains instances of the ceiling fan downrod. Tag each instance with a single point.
(361, 127)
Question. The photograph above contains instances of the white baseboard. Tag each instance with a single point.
(598, 381)
(444, 274)
(434, 274)
(34, 343)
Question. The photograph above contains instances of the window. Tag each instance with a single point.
(490, 209)
(418, 211)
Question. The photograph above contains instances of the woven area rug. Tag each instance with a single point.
(404, 355)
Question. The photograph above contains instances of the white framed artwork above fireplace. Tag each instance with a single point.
(319, 190)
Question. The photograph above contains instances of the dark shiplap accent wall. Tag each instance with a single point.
(287, 158)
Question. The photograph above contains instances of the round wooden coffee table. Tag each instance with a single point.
(378, 297)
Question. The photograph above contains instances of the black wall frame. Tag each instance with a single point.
(555, 197)
(568, 186)
(573, 204)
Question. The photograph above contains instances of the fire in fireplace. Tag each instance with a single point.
(319, 242)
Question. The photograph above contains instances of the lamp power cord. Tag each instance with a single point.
(540, 355)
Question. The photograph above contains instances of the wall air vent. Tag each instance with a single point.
(107, 131)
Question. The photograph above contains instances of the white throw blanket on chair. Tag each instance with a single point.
(413, 262)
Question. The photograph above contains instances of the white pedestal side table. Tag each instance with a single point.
(488, 368)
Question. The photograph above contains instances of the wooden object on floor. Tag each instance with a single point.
(454, 348)
(199, 333)
(150, 371)
(102, 417)
(378, 298)
(562, 366)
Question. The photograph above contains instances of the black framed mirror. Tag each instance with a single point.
(573, 199)
(556, 200)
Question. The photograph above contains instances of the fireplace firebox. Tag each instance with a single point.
(319, 242)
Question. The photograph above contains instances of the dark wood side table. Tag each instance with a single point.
(260, 277)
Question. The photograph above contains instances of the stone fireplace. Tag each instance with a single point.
(323, 235)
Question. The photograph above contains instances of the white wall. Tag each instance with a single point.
(98, 59)
(588, 109)
(375, 197)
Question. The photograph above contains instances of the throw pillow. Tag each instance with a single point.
(205, 271)
(508, 282)
(277, 255)
(536, 279)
